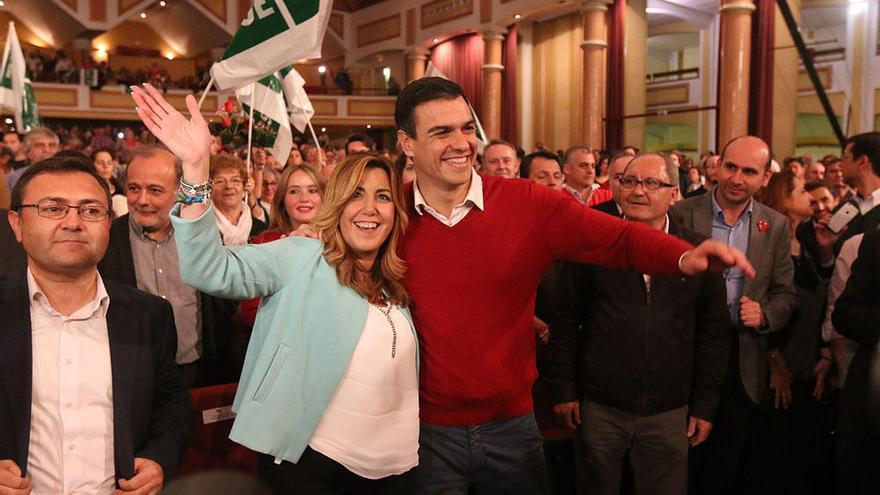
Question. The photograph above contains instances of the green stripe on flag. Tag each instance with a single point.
(271, 82)
(266, 19)
(6, 80)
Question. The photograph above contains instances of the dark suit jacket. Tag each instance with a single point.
(151, 408)
(609, 207)
(857, 316)
(11, 253)
(637, 350)
(773, 286)
(222, 363)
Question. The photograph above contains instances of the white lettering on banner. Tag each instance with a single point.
(261, 10)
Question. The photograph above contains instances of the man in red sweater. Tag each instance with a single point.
(476, 248)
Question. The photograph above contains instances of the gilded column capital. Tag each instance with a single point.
(494, 33)
(416, 53)
(601, 5)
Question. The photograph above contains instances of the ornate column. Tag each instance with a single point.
(493, 39)
(734, 60)
(594, 46)
(415, 62)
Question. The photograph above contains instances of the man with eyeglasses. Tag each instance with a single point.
(91, 397)
(673, 334)
(757, 307)
(616, 166)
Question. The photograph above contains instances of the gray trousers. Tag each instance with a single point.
(657, 447)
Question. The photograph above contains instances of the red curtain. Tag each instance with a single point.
(761, 71)
(614, 76)
(461, 60)
(509, 130)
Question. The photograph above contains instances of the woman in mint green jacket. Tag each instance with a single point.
(328, 395)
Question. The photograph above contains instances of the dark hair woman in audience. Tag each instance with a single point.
(296, 201)
(328, 395)
(799, 362)
(602, 164)
(105, 163)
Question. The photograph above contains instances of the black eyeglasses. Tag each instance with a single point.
(650, 184)
(53, 210)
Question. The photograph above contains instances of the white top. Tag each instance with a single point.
(849, 251)
(371, 425)
(868, 203)
(71, 431)
(474, 198)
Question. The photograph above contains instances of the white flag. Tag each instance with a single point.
(270, 113)
(16, 93)
(482, 142)
(298, 105)
(274, 33)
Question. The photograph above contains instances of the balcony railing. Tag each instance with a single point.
(674, 75)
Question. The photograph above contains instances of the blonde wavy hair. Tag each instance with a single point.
(279, 219)
(386, 276)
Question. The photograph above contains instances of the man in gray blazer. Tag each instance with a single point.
(757, 306)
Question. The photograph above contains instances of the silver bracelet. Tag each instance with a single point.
(200, 189)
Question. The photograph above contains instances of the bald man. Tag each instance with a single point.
(757, 307)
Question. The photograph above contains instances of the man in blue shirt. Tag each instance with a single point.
(757, 307)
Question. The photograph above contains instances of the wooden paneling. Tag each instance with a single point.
(98, 10)
(359, 108)
(440, 11)
(337, 24)
(215, 7)
(811, 104)
(243, 7)
(411, 26)
(380, 30)
(59, 97)
(70, 3)
(485, 10)
(123, 6)
(668, 95)
(804, 83)
(327, 107)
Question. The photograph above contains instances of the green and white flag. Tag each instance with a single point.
(270, 112)
(482, 142)
(16, 92)
(272, 35)
(298, 104)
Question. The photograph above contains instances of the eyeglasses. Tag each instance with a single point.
(234, 182)
(53, 210)
(650, 184)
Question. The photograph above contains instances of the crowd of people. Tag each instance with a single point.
(410, 321)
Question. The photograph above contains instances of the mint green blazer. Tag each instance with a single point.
(306, 329)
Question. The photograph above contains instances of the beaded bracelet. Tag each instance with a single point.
(194, 193)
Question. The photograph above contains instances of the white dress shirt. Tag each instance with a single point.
(371, 425)
(474, 198)
(868, 203)
(71, 430)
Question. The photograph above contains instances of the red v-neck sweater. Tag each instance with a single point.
(473, 290)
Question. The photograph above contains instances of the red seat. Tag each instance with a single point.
(210, 447)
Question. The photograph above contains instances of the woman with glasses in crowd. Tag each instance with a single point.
(328, 395)
(237, 220)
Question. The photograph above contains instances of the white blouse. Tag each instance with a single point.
(371, 425)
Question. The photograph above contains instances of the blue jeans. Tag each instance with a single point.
(502, 457)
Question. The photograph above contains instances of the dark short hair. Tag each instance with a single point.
(573, 150)
(5, 151)
(866, 144)
(816, 184)
(527, 161)
(56, 165)
(422, 91)
(360, 138)
(12, 132)
(102, 150)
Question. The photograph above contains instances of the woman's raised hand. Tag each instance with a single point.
(189, 139)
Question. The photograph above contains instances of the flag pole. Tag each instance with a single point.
(317, 144)
(205, 92)
(250, 132)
